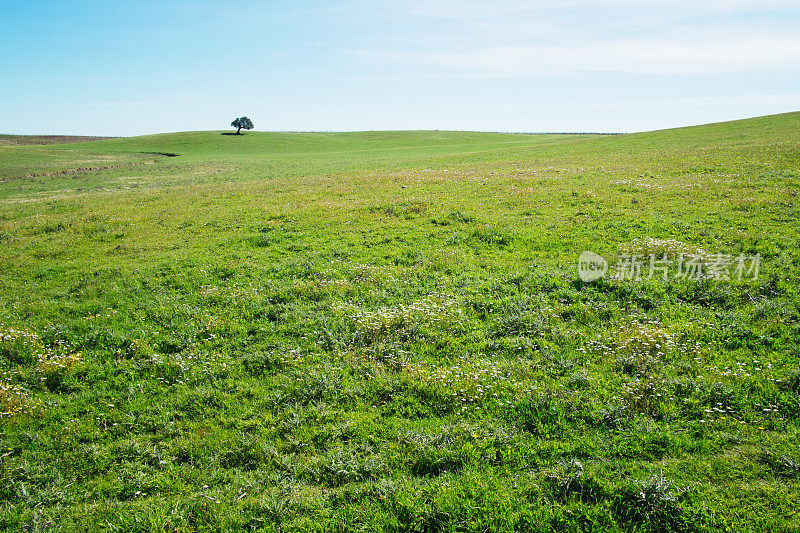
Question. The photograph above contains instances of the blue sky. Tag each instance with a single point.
(133, 67)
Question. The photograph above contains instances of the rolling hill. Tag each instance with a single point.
(386, 331)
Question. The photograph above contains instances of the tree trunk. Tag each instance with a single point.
(237, 131)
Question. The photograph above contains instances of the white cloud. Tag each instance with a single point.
(520, 38)
(643, 56)
(790, 100)
(479, 9)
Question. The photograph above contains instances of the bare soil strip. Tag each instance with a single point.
(47, 139)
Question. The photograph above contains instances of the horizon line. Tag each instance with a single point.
(98, 136)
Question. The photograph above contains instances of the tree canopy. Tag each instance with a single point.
(242, 123)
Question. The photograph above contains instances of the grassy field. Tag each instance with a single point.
(385, 331)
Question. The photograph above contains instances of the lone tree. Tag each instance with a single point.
(242, 122)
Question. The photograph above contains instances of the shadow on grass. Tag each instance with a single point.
(167, 154)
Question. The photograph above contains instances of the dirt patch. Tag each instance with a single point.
(80, 170)
(47, 139)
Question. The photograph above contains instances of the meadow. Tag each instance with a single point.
(385, 331)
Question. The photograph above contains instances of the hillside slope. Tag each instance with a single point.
(385, 331)
(261, 155)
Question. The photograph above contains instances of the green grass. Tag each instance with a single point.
(384, 331)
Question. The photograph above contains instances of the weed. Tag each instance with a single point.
(653, 503)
